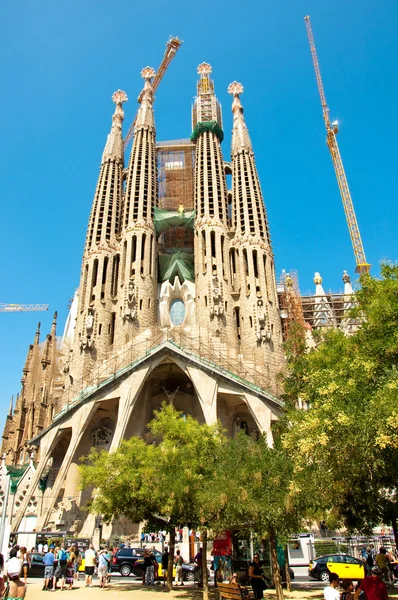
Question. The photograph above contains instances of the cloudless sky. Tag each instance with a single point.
(62, 60)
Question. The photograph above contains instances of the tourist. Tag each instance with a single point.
(198, 568)
(89, 564)
(60, 571)
(45, 548)
(383, 563)
(40, 547)
(103, 567)
(234, 579)
(179, 561)
(48, 568)
(77, 563)
(330, 592)
(348, 589)
(257, 577)
(16, 587)
(165, 564)
(24, 558)
(70, 567)
(149, 567)
(373, 586)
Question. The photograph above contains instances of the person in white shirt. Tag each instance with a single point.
(330, 592)
(89, 564)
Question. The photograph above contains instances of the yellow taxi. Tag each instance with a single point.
(345, 566)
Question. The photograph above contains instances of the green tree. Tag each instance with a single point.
(251, 489)
(345, 446)
(157, 483)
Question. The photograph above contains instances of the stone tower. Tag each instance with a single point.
(138, 281)
(95, 324)
(252, 261)
(214, 305)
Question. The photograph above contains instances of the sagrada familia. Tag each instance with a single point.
(178, 302)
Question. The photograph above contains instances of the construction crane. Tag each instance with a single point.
(22, 307)
(171, 50)
(331, 131)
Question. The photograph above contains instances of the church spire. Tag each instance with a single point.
(240, 133)
(145, 116)
(104, 218)
(114, 144)
(10, 410)
(249, 214)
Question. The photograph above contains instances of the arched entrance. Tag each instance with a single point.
(168, 383)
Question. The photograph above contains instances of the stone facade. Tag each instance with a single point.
(177, 302)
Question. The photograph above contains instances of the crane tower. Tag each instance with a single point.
(362, 266)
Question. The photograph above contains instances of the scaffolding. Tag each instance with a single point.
(175, 160)
(333, 311)
(313, 311)
(290, 306)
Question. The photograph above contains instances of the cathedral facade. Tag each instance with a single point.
(177, 303)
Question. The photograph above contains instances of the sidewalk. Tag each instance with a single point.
(118, 591)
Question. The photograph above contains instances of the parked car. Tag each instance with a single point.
(36, 568)
(188, 569)
(125, 558)
(346, 567)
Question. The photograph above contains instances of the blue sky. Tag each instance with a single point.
(61, 62)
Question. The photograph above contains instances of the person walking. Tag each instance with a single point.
(383, 563)
(16, 587)
(24, 558)
(60, 571)
(165, 564)
(103, 566)
(373, 586)
(179, 561)
(257, 577)
(70, 568)
(89, 564)
(198, 566)
(331, 592)
(48, 568)
(348, 589)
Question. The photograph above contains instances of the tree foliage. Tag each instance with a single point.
(345, 446)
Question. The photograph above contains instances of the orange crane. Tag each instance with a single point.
(172, 46)
(331, 131)
(22, 307)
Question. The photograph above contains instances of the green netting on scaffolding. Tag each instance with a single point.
(207, 126)
(165, 219)
(175, 263)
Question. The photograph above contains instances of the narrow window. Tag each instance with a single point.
(245, 261)
(94, 279)
(115, 274)
(141, 304)
(100, 329)
(106, 260)
(112, 329)
(222, 256)
(255, 264)
(213, 244)
(124, 261)
(150, 254)
(237, 321)
(133, 249)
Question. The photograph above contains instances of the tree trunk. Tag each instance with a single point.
(204, 566)
(394, 529)
(275, 566)
(172, 543)
(287, 572)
